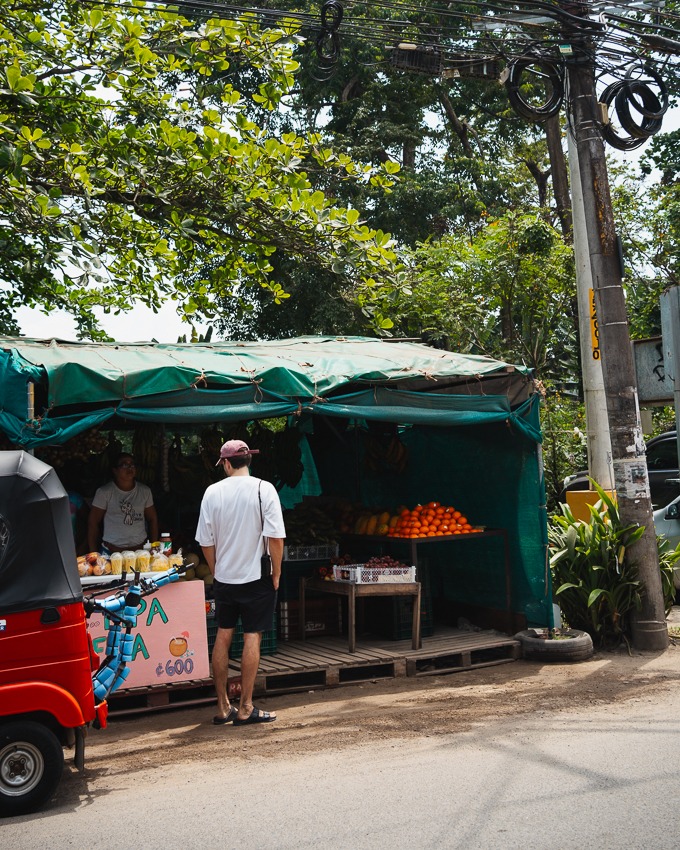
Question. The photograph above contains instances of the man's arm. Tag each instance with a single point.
(209, 555)
(276, 552)
(94, 522)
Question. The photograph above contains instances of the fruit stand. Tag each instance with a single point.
(358, 435)
(416, 545)
(354, 589)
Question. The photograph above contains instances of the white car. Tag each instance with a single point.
(667, 524)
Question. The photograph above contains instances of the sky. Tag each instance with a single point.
(143, 325)
(140, 325)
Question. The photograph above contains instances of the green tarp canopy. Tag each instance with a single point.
(470, 423)
(80, 385)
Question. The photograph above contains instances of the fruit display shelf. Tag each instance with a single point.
(360, 544)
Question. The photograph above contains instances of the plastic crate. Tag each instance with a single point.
(392, 619)
(322, 617)
(311, 552)
(361, 574)
(402, 624)
(268, 645)
(291, 573)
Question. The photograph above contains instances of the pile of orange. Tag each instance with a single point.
(430, 520)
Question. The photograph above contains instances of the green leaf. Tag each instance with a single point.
(595, 595)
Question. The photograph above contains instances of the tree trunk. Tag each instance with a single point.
(541, 178)
(460, 128)
(560, 180)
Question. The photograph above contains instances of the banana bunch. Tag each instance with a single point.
(264, 464)
(211, 443)
(397, 455)
(114, 448)
(147, 443)
(288, 458)
(188, 475)
(78, 448)
(381, 456)
(307, 523)
(237, 431)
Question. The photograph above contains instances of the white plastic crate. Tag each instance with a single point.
(311, 552)
(361, 574)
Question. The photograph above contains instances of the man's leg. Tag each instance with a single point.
(220, 669)
(250, 661)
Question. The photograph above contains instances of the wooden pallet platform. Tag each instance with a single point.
(325, 662)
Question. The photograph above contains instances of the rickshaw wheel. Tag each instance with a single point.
(31, 764)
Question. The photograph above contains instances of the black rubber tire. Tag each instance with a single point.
(31, 764)
(577, 647)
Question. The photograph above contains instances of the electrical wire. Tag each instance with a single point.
(478, 30)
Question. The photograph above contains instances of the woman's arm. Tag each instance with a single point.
(151, 518)
(94, 522)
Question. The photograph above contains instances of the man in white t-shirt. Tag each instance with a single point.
(240, 519)
(125, 506)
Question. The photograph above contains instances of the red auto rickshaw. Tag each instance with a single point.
(46, 660)
(52, 684)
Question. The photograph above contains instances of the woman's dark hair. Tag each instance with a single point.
(121, 457)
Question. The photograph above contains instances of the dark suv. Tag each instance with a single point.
(662, 466)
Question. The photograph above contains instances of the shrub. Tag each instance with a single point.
(596, 586)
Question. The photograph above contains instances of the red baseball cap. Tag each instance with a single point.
(235, 448)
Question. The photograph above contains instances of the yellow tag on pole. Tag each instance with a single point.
(594, 329)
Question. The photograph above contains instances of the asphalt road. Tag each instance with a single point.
(600, 776)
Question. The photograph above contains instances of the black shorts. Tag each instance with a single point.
(253, 601)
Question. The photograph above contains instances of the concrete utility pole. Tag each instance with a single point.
(597, 420)
(618, 368)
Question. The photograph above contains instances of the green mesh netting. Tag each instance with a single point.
(490, 473)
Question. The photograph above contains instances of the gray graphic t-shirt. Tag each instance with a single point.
(124, 524)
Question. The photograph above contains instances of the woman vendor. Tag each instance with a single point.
(125, 506)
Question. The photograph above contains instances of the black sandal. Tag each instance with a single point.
(218, 720)
(256, 716)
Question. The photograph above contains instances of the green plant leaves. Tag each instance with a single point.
(147, 150)
(596, 579)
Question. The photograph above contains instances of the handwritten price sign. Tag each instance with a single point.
(171, 638)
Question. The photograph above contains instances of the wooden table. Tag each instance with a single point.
(379, 543)
(352, 590)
